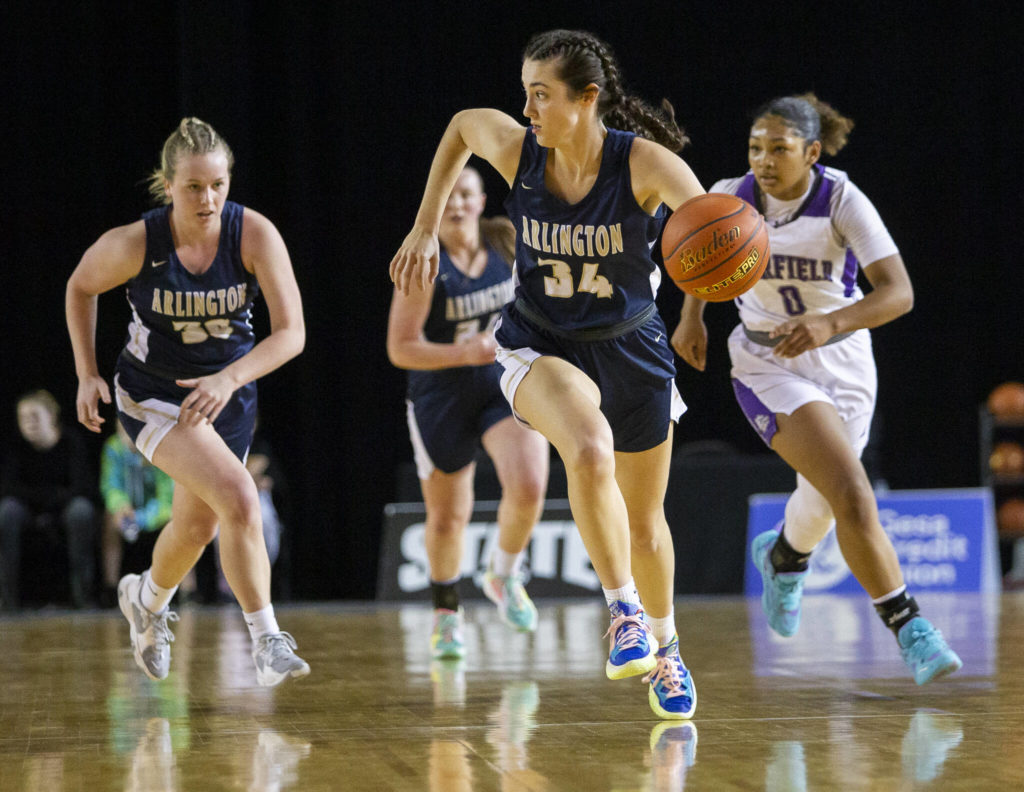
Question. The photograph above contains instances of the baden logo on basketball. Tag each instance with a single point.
(715, 246)
(689, 258)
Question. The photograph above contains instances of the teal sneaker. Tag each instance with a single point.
(925, 651)
(672, 695)
(632, 648)
(446, 640)
(514, 604)
(782, 592)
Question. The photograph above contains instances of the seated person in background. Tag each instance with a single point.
(46, 486)
(137, 497)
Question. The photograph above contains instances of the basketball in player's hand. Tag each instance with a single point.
(715, 246)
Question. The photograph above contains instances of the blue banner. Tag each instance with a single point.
(945, 539)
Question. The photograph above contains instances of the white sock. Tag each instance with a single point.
(890, 595)
(664, 628)
(152, 597)
(261, 622)
(627, 594)
(505, 564)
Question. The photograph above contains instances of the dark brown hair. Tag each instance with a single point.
(583, 59)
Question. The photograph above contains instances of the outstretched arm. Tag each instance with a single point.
(492, 136)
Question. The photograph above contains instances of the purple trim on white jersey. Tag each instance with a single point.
(759, 416)
(819, 205)
(850, 273)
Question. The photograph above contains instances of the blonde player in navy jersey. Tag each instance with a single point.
(585, 355)
(803, 369)
(185, 381)
(444, 336)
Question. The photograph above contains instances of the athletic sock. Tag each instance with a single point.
(785, 559)
(664, 629)
(627, 594)
(152, 597)
(445, 594)
(896, 609)
(261, 622)
(505, 564)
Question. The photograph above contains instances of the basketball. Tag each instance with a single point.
(1007, 401)
(715, 246)
(1010, 518)
(1007, 459)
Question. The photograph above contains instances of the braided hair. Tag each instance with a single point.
(583, 59)
(191, 137)
(811, 119)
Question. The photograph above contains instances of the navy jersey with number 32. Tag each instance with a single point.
(186, 325)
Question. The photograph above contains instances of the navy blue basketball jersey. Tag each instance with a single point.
(186, 325)
(588, 264)
(461, 308)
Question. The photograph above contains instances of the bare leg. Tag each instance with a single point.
(562, 403)
(520, 458)
(213, 488)
(449, 502)
(814, 443)
(643, 480)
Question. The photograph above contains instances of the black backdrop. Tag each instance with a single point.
(333, 111)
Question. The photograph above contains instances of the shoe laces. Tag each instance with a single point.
(278, 644)
(924, 642)
(162, 634)
(669, 672)
(628, 631)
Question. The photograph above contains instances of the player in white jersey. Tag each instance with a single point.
(803, 369)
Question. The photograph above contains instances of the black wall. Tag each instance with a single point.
(333, 111)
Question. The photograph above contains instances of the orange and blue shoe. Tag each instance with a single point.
(672, 695)
(633, 646)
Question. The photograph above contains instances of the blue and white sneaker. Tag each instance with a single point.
(633, 647)
(925, 651)
(782, 592)
(446, 641)
(672, 695)
(514, 604)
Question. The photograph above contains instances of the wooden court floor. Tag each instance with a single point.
(830, 709)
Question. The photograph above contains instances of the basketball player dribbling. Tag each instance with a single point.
(185, 381)
(803, 369)
(585, 355)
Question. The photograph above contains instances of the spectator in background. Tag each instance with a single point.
(137, 497)
(46, 487)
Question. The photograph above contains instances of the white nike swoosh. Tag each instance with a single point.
(525, 186)
(158, 263)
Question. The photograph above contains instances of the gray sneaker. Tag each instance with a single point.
(275, 659)
(151, 637)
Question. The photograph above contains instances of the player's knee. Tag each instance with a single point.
(592, 457)
(855, 503)
(526, 489)
(646, 536)
(447, 525)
